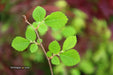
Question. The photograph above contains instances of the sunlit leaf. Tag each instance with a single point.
(49, 54)
(68, 31)
(39, 13)
(56, 20)
(69, 43)
(55, 60)
(38, 41)
(33, 48)
(70, 57)
(42, 29)
(30, 33)
(20, 43)
(54, 47)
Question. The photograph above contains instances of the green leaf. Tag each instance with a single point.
(38, 14)
(56, 20)
(42, 29)
(56, 34)
(49, 54)
(78, 24)
(33, 48)
(60, 69)
(37, 57)
(55, 60)
(90, 67)
(70, 57)
(69, 43)
(20, 43)
(75, 72)
(80, 14)
(68, 31)
(30, 33)
(39, 41)
(54, 47)
(35, 24)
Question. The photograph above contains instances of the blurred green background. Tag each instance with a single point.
(91, 21)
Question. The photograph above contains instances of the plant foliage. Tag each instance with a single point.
(57, 20)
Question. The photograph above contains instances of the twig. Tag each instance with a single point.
(37, 26)
(56, 55)
(35, 42)
(40, 43)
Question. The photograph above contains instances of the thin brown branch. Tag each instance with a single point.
(37, 26)
(55, 55)
(40, 43)
(35, 42)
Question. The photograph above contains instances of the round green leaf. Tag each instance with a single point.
(20, 43)
(56, 20)
(42, 29)
(54, 47)
(33, 48)
(70, 57)
(68, 31)
(55, 60)
(35, 24)
(49, 54)
(75, 72)
(70, 42)
(39, 40)
(39, 13)
(30, 33)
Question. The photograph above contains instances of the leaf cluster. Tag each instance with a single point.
(67, 55)
(55, 20)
